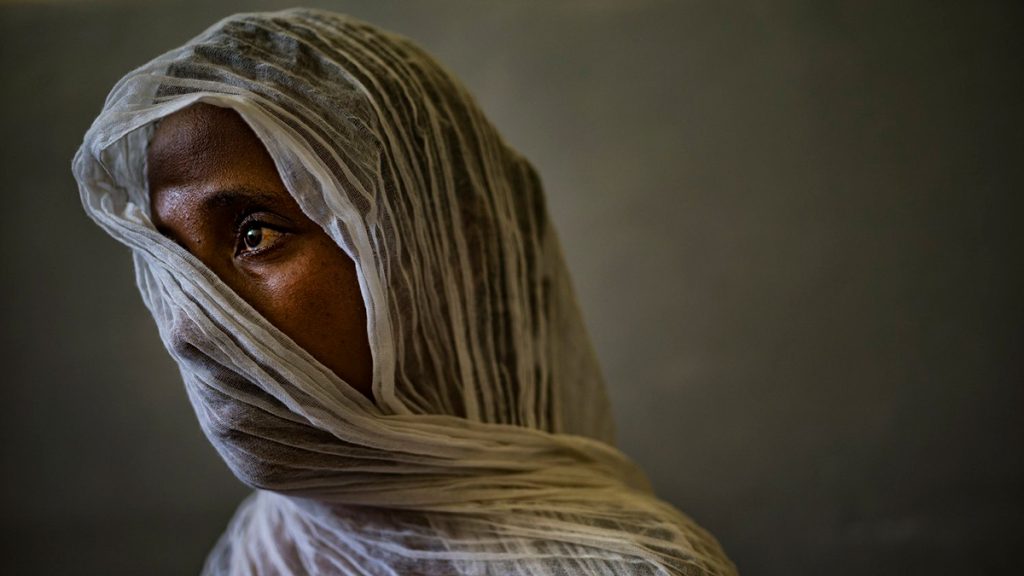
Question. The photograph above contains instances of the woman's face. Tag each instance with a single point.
(215, 190)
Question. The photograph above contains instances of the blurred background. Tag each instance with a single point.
(794, 228)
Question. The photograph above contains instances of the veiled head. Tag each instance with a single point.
(369, 306)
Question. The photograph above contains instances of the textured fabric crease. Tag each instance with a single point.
(488, 445)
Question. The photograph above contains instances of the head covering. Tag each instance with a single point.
(487, 445)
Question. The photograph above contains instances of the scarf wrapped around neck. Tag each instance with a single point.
(487, 446)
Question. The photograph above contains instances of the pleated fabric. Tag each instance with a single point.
(487, 447)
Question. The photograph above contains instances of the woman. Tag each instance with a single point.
(371, 313)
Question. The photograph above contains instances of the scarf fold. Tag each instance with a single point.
(488, 445)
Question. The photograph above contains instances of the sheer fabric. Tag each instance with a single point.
(487, 446)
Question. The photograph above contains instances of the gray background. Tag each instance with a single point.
(793, 226)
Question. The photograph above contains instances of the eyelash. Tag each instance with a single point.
(249, 224)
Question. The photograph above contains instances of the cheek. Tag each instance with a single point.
(314, 298)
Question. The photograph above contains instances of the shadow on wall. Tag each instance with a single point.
(792, 228)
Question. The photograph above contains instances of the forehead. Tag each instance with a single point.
(201, 153)
(199, 141)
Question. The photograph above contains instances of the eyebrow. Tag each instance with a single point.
(239, 201)
(220, 204)
(237, 196)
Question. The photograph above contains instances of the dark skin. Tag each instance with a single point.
(214, 190)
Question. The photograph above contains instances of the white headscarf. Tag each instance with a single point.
(487, 446)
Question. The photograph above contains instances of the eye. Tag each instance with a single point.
(255, 237)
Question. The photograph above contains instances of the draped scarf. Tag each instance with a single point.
(487, 445)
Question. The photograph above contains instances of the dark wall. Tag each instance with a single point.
(794, 229)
